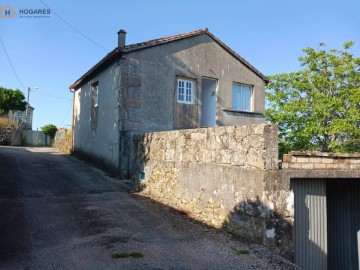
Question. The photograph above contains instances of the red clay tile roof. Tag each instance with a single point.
(155, 42)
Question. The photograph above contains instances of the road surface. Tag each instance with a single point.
(60, 213)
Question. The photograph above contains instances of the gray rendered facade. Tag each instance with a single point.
(137, 93)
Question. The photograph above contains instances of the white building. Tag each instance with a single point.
(19, 117)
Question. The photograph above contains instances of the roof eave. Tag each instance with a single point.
(241, 59)
(144, 45)
(96, 68)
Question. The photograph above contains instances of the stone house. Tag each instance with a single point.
(189, 80)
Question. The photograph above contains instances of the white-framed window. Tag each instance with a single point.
(242, 97)
(95, 93)
(28, 120)
(185, 91)
(20, 116)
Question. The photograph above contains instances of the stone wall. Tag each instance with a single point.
(13, 134)
(321, 161)
(252, 147)
(63, 141)
(220, 176)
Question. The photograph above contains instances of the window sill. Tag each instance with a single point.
(184, 102)
(242, 112)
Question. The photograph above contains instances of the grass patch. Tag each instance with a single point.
(120, 255)
(241, 251)
(123, 240)
(136, 255)
(109, 247)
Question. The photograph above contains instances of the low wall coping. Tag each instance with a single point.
(322, 154)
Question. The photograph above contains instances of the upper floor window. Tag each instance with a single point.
(185, 91)
(28, 118)
(242, 97)
(20, 116)
(95, 93)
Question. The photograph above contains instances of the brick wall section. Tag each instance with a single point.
(321, 161)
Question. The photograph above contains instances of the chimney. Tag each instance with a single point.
(121, 38)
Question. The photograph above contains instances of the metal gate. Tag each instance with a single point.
(343, 198)
(327, 223)
(310, 223)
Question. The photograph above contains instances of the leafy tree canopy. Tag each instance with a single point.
(318, 107)
(11, 100)
(49, 129)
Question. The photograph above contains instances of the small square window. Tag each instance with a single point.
(185, 90)
(242, 97)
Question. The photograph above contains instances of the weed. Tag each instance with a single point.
(123, 240)
(6, 122)
(109, 247)
(120, 255)
(136, 255)
(241, 251)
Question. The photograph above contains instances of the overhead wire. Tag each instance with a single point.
(66, 115)
(11, 64)
(16, 74)
(72, 27)
(41, 93)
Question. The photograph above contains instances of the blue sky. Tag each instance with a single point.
(50, 55)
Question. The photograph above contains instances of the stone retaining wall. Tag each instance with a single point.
(219, 176)
(13, 134)
(63, 141)
(252, 147)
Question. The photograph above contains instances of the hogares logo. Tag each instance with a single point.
(7, 12)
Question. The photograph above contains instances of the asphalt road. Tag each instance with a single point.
(57, 212)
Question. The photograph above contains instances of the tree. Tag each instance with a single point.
(49, 129)
(11, 100)
(318, 107)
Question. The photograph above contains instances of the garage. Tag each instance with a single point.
(327, 222)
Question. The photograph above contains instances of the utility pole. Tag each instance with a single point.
(27, 107)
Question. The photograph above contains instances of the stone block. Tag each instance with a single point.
(285, 165)
(332, 166)
(259, 129)
(131, 103)
(286, 158)
(354, 161)
(327, 160)
(129, 125)
(342, 160)
(134, 92)
(344, 166)
(241, 131)
(197, 136)
(295, 165)
(319, 166)
(307, 166)
(302, 159)
(131, 81)
(315, 159)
